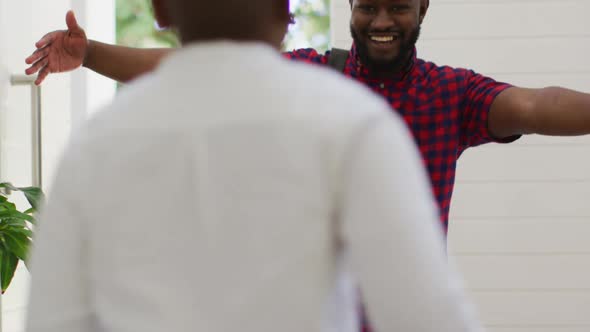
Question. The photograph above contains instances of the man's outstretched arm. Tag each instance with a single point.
(66, 50)
(549, 111)
(120, 63)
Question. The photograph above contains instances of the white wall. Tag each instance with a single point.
(67, 101)
(92, 91)
(520, 219)
(21, 24)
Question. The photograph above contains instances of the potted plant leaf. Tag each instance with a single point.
(16, 230)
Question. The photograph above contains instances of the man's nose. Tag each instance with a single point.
(383, 21)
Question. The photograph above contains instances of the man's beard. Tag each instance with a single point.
(397, 63)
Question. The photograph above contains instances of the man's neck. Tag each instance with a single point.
(398, 69)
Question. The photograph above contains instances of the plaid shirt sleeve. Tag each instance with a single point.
(307, 55)
(479, 94)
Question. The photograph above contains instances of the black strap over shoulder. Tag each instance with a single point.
(338, 58)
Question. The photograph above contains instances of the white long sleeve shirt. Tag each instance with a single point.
(233, 190)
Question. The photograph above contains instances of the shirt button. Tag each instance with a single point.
(382, 85)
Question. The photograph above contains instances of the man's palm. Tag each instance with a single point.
(66, 52)
(59, 51)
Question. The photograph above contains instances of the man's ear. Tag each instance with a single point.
(161, 13)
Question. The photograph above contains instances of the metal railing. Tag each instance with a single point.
(36, 139)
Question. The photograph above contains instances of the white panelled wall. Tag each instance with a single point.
(22, 22)
(520, 218)
(66, 102)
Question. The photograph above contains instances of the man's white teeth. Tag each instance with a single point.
(383, 39)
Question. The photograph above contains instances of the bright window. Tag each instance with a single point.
(136, 27)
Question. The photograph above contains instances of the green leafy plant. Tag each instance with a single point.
(16, 230)
(312, 28)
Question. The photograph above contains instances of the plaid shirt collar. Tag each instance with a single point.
(358, 69)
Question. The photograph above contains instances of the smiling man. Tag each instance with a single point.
(447, 109)
(384, 46)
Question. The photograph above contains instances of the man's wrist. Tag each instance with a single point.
(89, 48)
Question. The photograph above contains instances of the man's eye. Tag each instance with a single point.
(366, 8)
(398, 8)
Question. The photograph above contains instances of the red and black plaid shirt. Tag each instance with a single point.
(445, 108)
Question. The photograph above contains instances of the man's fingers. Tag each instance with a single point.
(42, 75)
(71, 21)
(42, 63)
(38, 54)
(46, 40)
